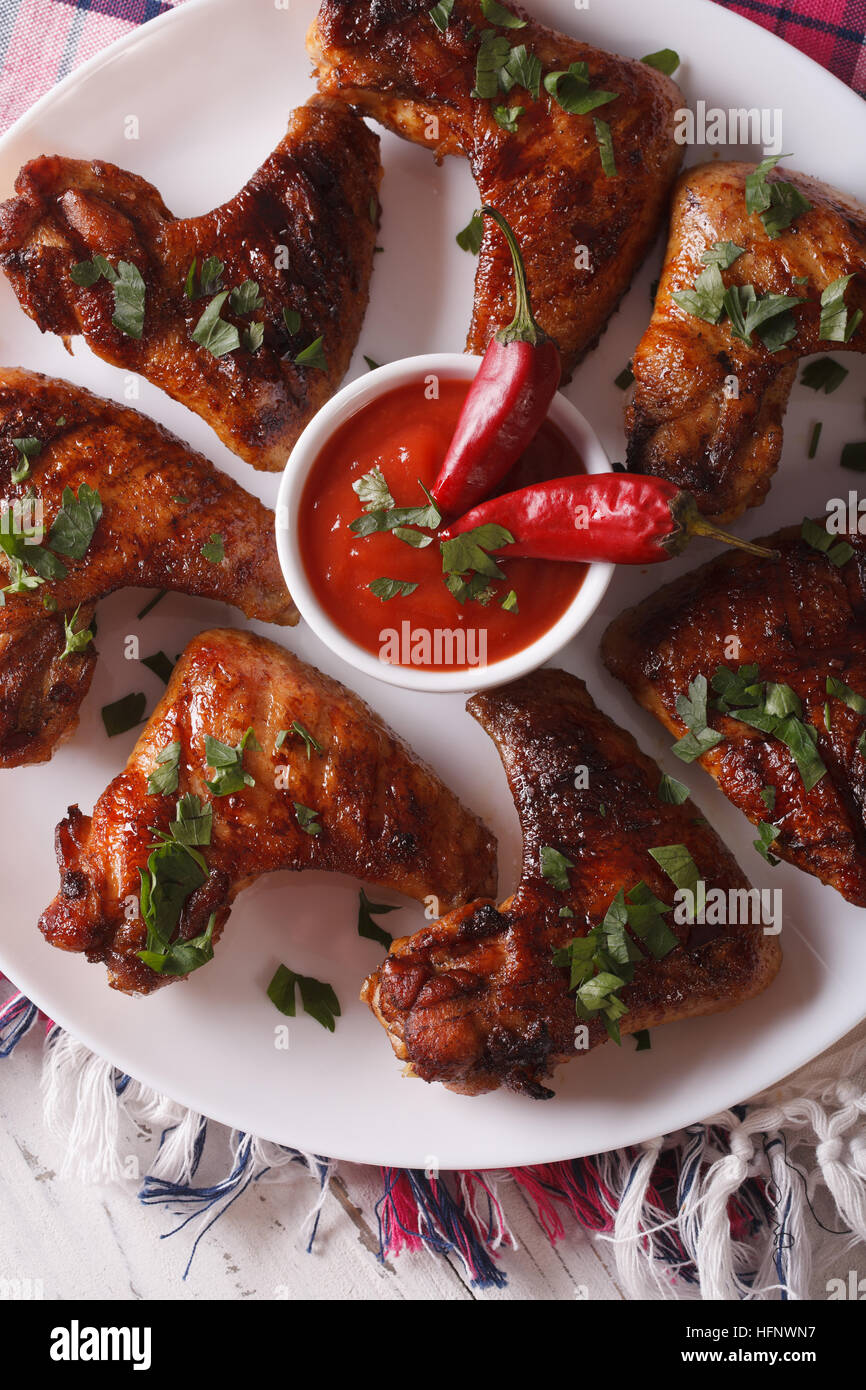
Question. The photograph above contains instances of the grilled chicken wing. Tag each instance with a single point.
(800, 619)
(685, 422)
(302, 229)
(384, 816)
(387, 59)
(161, 503)
(475, 1000)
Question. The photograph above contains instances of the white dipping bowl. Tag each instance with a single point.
(347, 402)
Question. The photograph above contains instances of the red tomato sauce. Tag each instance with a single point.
(407, 435)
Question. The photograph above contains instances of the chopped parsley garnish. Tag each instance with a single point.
(768, 796)
(767, 314)
(210, 281)
(853, 456)
(129, 291)
(468, 551)
(837, 552)
(76, 522)
(509, 603)
(124, 714)
(493, 54)
(308, 820)
(506, 117)
(722, 254)
(75, 641)
(28, 448)
(524, 70)
(472, 235)
(706, 299)
(395, 519)
(302, 732)
(692, 710)
(642, 1040)
(823, 374)
(369, 929)
(164, 778)
(767, 834)
(574, 92)
(772, 708)
(149, 607)
(228, 764)
(667, 60)
(476, 589)
(836, 326)
(161, 665)
(813, 441)
(441, 14)
(499, 14)
(386, 589)
(625, 378)
(253, 337)
(245, 299)
(372, 363)
(605, 147)
(681, 869)
(554, 867)
(292, 321)
(778, 203)
(312, 356)
(317, 999)
(603, 961)
(373, 492)
(214, 333)
(193, 822)
(840, 691)
(175, 869)
(672, 792)
(214, 549)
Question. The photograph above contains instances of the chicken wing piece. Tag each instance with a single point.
(477, 1000)
(298, 238)
(798, 623)
(328, 786)
(161, 504)
(708, 406)
(388, 59)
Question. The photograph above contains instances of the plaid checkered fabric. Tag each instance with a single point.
(833, 32)
(42, 40)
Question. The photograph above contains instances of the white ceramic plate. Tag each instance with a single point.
(211, 85)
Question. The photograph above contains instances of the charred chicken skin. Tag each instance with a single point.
(476, 1000)
(800, 622)
(160, 505)
(383, 816)
(387, 59)
(708, 407)
(302, 231)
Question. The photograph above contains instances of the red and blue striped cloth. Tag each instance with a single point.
(42, 40)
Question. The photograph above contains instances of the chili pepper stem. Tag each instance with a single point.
(692, 523)
(522, 327)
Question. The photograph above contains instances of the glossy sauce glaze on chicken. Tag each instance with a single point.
(388, 59)
(785, 715)
(708, 406)
(478, 1000)
(160, 505)
(345, 795)
(289, 260)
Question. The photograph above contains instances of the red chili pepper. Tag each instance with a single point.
(507, 402)
(625, 518)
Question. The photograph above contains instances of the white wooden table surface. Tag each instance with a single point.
(73, 1241)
